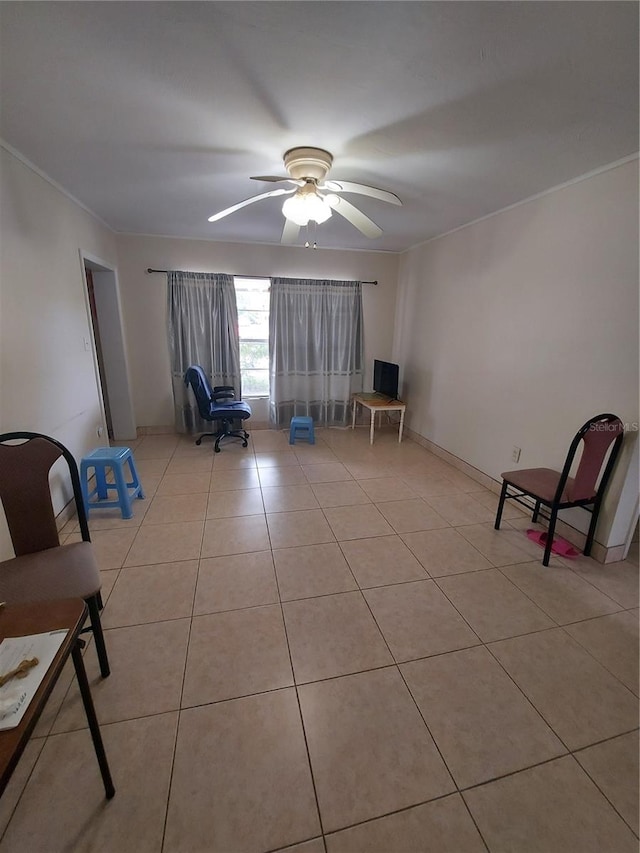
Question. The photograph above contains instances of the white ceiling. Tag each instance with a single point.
(154, 115)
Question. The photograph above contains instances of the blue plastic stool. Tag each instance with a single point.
(110, 457)
(304, 424)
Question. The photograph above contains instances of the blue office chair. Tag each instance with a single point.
(217, 404)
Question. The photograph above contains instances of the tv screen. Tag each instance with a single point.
(385, 378)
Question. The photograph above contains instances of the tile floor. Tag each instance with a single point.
(328, 648)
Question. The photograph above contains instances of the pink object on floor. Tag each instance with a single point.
(560, 546)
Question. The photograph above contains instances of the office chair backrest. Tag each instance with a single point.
(26, 494)
(199, 381)
(598, 434)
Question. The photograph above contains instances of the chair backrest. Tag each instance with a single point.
(597, 435)
(199, 381)
(26, 494)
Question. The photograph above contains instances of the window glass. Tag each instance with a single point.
(252, 297)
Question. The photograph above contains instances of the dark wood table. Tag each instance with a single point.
(18, 620)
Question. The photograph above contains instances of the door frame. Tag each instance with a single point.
(114, 350)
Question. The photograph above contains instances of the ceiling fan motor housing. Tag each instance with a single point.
(312, 163)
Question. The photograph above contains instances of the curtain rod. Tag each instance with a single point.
(259, 276)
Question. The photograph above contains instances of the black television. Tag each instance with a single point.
(385, 378)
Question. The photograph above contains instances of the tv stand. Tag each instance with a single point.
(377, 403)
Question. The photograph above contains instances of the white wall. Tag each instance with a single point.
(144, 299)
(518, 328)
(47, 378)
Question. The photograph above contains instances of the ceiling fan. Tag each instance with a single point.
(313, 198)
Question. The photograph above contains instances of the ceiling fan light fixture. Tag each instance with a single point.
(304, 207)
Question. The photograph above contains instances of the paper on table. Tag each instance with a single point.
(16, 694)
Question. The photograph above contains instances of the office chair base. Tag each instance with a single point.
(218, 436)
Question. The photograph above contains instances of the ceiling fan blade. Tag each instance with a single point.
(289, 232)
(356, 217)
(276, 178)
(247, 201)
(361, 189)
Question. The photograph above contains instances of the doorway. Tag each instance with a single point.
(109, 350)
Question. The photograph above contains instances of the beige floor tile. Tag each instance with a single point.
(241, 779)
(410, 515)
(166, 543)
(165, 509)
(460, 509)
(442, 826)
(143, 681)
(387, 489)
(112, 546)
(284, 459)
(554, 807)
(189, 464)
(620, 581)
(235, 536)
(431, 484)
(612, 640)
(483, 725)
(151, 466)
(234, 456)
(156, 447)
(107, 519)
(344, 493)
(577, 697)
(333, 635)
(416, 620)
(491, 499)
(291, 475)
(66, 792)
(269, 440)
(445, 552)
(232, 582)
(19, 779)
(493, 606)
(151, 594)
(370, 750)
(368, 470)
(316, 845)
(500, 547)
(327, 472)
(313, 454)
(613, 766)
(290, 529)
(288, 498)
(312, 570)
(357, 522)
(184, 484)
(381, 560)
(108, 578)
(233, 479)
(235, 654)
(558, 591)
(232, 504)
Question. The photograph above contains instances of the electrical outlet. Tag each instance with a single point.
(99, 431)
(515, 453)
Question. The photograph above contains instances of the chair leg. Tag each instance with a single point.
(96, 626)
(536, 512)
(592, 529)
(503, 495)
(550, 532)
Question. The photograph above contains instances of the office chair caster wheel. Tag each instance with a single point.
(244, 444)
(216, 450)
(199, 441)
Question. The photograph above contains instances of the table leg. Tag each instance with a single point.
(373, 424)
(353, 415)
(90, 711)
(401, 425)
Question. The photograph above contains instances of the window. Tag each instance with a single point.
(252, 297)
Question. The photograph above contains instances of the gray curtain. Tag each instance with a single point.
(203, 329)
(315, 349)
